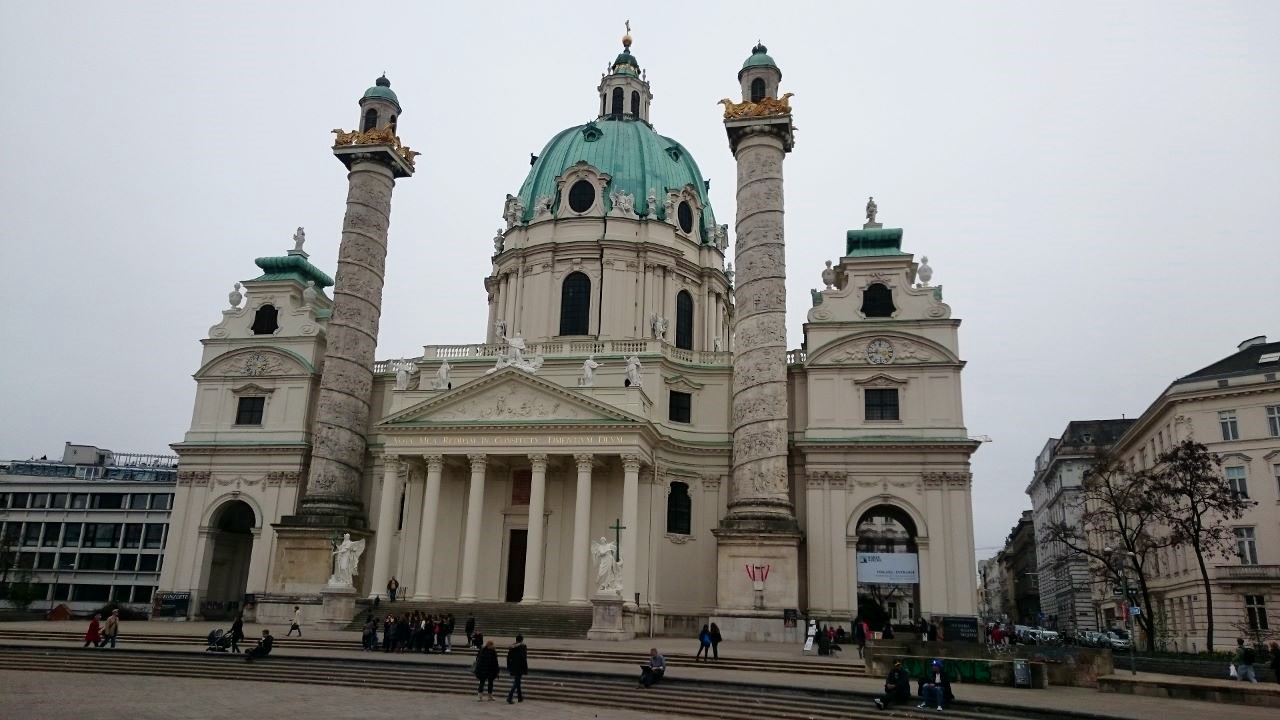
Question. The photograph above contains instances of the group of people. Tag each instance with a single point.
(1244, 658)
(486, 669)
(708, 643)
(934, 690)
(416, 632)
(100, 633)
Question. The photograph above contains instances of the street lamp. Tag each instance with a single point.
(1128, 605)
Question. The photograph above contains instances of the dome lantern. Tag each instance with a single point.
(624, 93)
(759, 75)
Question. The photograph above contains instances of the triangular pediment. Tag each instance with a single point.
(509, 396)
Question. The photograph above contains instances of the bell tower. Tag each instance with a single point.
(624, 93)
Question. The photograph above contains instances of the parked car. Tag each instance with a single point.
(1119, 640)
(1047, 637)
(1094, 639)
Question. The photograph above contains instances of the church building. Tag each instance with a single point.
(629, 427)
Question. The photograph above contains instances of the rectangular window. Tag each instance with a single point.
(71, 535)
(4, 500)
(79, 501)
(98, 561)
(67, 561)
(127, 562)
(521, 486)
(155, 537)
(62, 592)
(120, 593)
(133, 535)
(45, 561)
(12, 531)
(90, 593)
(18, 500)
(249, 410)
(31, 533)
(1238, 482)
(142, 593)
(680, 407)
(148, 563)
(1275, 470)
(51, 531)
(1255, 607)
(58, 501)
(26, 561)
(102, 535)
(138, 501)
(108, 501)
(1230, 429)
(39, 501)
(881, 404)
(1143, 455)
(1246, 546)
(1273, 420)
(160, 501)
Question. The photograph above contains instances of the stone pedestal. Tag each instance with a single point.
(608, 621)
(338, 607)
(744, 611)
(303, 559)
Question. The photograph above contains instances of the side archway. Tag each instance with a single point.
(229, 549)
(888, 539)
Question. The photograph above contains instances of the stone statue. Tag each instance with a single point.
(402, 375)
(672, 200)
(659, 326)
(717, 345)
(309, 294)
(497, 242)
(829, 276)
(513, 356)
(499, 328)
(729, 273)
(924, 272)
(624, 203)
(299, 237)
(512, 211)
(872, 209)
(542, 208)
(235, 296)
(722, 237)
(346, 560)
(589, 366)
(608, 569)
(442, 376)
(652, 208)
(517, 346)
(633, 372)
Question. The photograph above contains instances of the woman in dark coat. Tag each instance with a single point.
(237, 632)
(486, 670)
(715, 640)
(704, 643)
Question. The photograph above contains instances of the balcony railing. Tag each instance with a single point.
(1246, 572)
(580, 348)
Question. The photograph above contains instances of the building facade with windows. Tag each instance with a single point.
(1066, 588)
(1233, 408)
(628, 385)
(91, 528)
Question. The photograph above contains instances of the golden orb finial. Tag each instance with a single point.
(626, 39)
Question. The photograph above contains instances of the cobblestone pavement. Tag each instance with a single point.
(79, 696)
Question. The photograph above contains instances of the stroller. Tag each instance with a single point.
(219, 641)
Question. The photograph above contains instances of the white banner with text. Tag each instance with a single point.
(888, 568)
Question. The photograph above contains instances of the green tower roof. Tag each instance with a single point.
(636, 158)
(382, 89)
(292, 267)
(871, 242)
(759, 58)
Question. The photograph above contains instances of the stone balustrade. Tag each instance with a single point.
(566, 348)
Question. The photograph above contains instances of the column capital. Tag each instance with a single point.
(631, 463)
(391, 459)
(434, 462)
(538, 461)
(478, 461)
(583, 460)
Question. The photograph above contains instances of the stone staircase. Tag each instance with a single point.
(492, 619)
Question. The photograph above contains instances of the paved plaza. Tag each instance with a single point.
(77, 696)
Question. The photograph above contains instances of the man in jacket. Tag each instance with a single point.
(1244, 659)
(297, 622)
(897, 687)
(935, 689)
(653, 672)
(263, 649)
(110, 629)
(518, 666)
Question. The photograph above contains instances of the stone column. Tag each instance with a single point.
(471, 546)
(533, 547)
(346, 384)
(386, 524)
(427, 539)
(630, 522)
(581, 556)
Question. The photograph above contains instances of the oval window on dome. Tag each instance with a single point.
(685, 214)
(582, 195)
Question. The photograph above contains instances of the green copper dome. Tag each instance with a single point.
(632, 154)
(382, 90)
(626, 63)
(759, 58)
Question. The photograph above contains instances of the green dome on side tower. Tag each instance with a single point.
(759, 58)
(382, 89)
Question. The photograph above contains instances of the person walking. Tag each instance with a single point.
(297, 622)
(1244, 659)
(392, 586)
(470, 628)
(94, 634)
(518, 667)
(716, 637)
(448, 633)
(704, 644)
(110, 630)
(1275, 659)
(237, 632)
(860, 635)
(486, 670)
(897, 687)
(888, 631)
(922, 629)
(263, 649)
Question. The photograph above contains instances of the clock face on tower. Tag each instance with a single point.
(880, 352)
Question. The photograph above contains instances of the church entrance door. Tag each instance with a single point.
(230, 549)
(886, 543)
(519, 541)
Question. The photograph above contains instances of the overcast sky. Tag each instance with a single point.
(1096, 184)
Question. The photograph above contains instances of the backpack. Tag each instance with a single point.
(1250, 656)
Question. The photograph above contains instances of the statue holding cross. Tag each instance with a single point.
(608, 566)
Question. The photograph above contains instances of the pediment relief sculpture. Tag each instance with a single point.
(882, 351)
(254, 363)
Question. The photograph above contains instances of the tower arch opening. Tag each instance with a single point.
(265, 320)
(575, 304)
(370, 120)
(616, 108)
(226, 563)
(757, 90)
(888, 566)
(877, 301)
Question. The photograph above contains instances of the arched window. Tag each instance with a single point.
(616, 109)
(684, 320)
(684, 215)
(757, 90)
(391, 122)
(575, 304)
(370, 120)
(635, 104)
(877, 301)
(679, 509)
(602, 105)
(265, 320)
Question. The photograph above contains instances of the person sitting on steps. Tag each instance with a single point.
(650, 674)
(263, 649)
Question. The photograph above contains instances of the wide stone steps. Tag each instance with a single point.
(808, 666)
(493, 619)
(675, 695)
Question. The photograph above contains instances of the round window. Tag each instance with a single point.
(582, 195)
(685, 214)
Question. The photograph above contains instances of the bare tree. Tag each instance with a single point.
(1117, 515)
(1197, 503)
